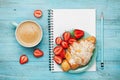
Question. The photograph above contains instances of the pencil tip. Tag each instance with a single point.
(102, 14)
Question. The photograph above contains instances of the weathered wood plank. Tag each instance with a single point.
(14, 70)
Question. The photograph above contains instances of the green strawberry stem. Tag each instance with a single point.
(72, 33)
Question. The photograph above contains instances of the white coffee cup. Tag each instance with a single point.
(28, 33)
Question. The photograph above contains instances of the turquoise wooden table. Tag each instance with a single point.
(38, 68)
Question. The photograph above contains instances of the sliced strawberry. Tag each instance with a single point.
(64, 44)
(23, 59)
(57, 59)
(58, 40)
(38, 53)
(37, 13)
(62, 54)
(57, 50)
(71, 40)
(66, 35)
(78, 33)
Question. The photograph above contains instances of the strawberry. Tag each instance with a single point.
(57, 59)
(57, 50)
(66, 35)
(78, 33)
(37, 13)
(23, 59)
(38, 53)
(64, 44)
(58, 40)
(62, 54)
(71, 40)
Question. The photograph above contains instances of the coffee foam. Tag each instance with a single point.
(28, 33)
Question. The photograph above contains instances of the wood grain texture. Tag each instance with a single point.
(38, 68)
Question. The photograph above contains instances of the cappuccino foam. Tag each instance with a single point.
(28, 33)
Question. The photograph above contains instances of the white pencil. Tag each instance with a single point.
(102, 40)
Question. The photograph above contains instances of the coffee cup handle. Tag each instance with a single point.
(15, 24)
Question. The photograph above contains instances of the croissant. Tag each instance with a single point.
(79, 53)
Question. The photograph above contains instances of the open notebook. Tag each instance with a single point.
(61, 20)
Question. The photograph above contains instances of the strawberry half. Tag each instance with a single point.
(78, 33)
(37, 13)
(58, 40)
(62, 54)
(57, 50)
(23, 59)
(66, 35)
(38, 53)
(71, 40)
(57, 59)
(64, 44)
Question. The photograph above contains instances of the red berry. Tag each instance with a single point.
(66, 35)
(23, 59)
(57, 59)
(62, 54)
(64, 44)
(38, 53)
(58, 40)
(37, 13)
(78, 33)
(71, 40)
(57, 50)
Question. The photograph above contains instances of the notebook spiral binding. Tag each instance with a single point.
(50, 27)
